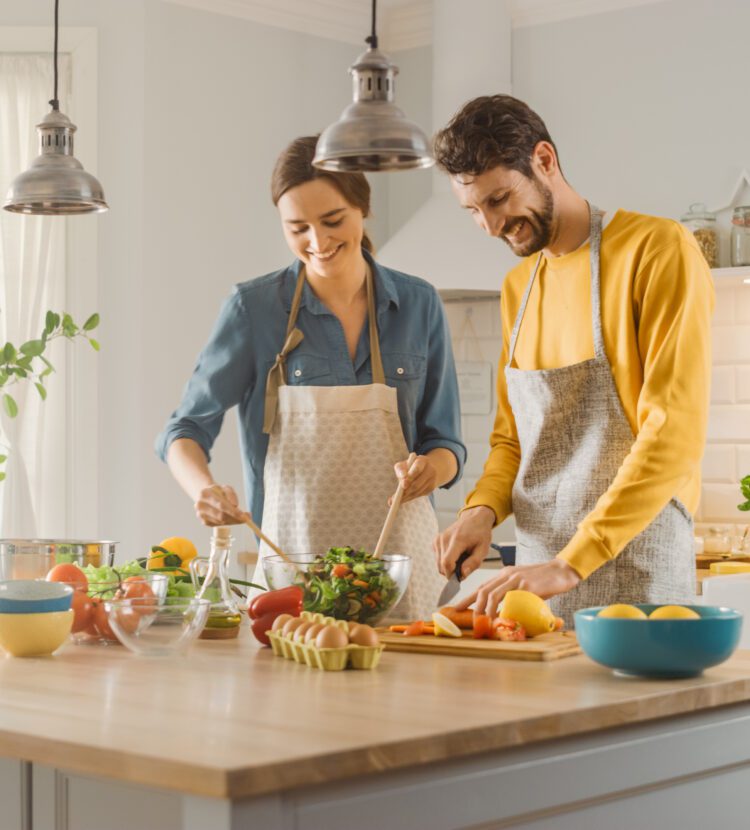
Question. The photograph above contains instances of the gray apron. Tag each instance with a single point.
(574, 437)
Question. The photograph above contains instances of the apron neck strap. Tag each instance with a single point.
(376, 361)
(595, 239)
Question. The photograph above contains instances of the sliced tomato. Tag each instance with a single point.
(341, 570)
(508, 630)
(482, 627)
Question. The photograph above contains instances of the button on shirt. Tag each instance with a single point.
(251, 328)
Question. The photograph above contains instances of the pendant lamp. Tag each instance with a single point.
(372, 134)
(56, 183)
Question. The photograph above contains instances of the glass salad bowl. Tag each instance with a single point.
(343, 583)
(156, 626)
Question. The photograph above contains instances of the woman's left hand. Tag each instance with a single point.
(418, 479)
(545, 580)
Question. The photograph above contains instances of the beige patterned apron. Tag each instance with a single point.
(329, 471)
(574, 436)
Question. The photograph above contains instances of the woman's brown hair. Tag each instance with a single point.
(294, 167)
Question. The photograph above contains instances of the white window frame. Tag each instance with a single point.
(82, 294)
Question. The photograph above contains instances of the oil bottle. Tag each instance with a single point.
(225, 616)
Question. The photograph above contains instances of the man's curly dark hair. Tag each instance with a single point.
(488, 132)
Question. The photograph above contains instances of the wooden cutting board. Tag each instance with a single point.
(550, 646)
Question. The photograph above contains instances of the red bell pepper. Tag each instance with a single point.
(264, 609)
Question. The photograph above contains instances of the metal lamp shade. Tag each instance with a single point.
(372, 134)
(56, 183)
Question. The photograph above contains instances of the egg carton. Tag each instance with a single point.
(328, 659)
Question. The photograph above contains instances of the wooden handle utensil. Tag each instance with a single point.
(391, 517)
(254, 527)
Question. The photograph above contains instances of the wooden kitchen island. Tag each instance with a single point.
(231, 737)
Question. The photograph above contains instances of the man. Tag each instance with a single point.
(603, 383)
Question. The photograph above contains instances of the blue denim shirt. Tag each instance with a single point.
(232, 368)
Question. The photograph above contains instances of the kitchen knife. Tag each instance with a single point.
(453, 585)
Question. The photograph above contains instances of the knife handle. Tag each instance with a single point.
(459, 564)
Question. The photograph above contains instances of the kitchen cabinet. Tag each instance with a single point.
(232, 737)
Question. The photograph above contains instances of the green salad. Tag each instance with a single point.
(348, 584)
(177, 586)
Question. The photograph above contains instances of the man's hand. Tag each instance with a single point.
(219, 505)
(471, 532)
(545, 580)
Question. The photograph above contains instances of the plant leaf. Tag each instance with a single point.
(91, 323)
(49, 322)
(3, 459)
(94, 344)
(9, 352)
(11, 407)
(41, 390)
(2, 476)
(46, 363)
(33, 348)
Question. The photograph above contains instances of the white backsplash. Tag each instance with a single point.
(475, 331)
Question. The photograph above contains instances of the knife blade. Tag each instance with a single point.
(453, 585)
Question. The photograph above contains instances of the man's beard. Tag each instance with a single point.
(540, 221)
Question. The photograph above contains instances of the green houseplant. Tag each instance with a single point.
(28, 362)
(745, 488)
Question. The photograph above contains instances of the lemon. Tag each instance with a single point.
(531, 611)
(445, 627)
(622, 611)
(673, 612)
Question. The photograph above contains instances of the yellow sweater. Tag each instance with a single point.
(657, 299)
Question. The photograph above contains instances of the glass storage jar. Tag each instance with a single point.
(740, 237)
(703, 225)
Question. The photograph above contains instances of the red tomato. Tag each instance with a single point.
(136, 587)
(83, 611)
(508, 630)
(284, 601)
(482, 627)
(101, 621)
(70, 573)
(262, 625)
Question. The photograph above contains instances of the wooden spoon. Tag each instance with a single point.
(254, 527)
(391, 517)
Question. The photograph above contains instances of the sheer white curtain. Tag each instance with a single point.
(32, 280)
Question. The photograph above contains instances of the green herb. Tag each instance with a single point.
(745, 488)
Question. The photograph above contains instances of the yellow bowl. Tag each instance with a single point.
(34, 635)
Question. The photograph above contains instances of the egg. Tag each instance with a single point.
(312, 632)
(364, 635)
(352, 624)
(331, 637)
(280, 621)
(290, 626)
(301, 630)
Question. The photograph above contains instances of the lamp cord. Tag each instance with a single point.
(373, 39)
(55, 104)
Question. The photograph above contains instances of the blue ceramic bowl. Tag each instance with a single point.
(34, 596)
(660, 648)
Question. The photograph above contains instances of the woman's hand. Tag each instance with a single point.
(418, 479)
(545, 580)
(219, 505)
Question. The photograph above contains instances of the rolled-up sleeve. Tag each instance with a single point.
(222, 375)
(439, 411)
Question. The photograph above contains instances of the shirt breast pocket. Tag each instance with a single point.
(404, 370)
(308, 370)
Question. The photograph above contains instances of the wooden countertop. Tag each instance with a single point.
(232, 720)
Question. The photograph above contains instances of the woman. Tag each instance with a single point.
(340, 368)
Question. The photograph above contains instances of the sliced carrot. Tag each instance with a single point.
(482, 627)
(398, 629)
(559, 623)
(415, 629)
(360, 583)
(463, 619)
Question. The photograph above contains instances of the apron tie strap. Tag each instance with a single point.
(277, 377)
